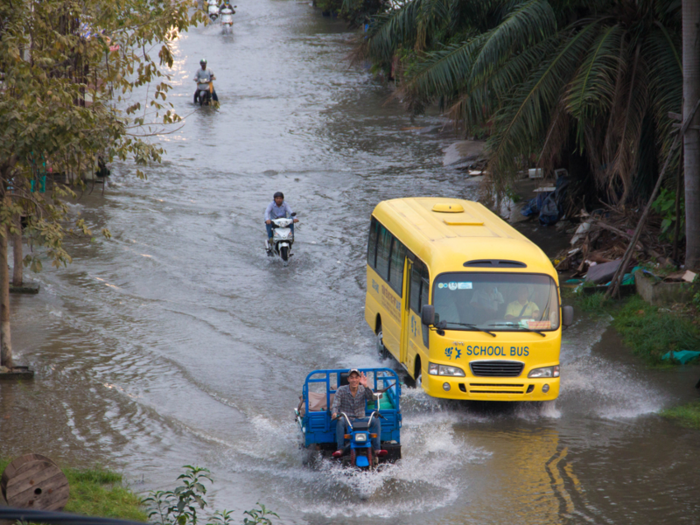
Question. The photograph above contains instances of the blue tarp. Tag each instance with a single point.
(682, 356)
(548, 204)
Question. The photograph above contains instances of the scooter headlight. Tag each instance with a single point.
(361, 438)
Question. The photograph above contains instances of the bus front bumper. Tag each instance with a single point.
(492, 389)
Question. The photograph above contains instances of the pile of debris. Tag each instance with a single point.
(600, 241)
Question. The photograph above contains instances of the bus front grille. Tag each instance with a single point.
(496, 368)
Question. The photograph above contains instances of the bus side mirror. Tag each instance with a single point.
(427, 315)
(567, 314)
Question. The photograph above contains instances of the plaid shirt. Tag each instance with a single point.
(354, 407)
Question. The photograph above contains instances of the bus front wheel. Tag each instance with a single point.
(417, 379)
(383, 352)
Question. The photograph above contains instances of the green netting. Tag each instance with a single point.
(384, 404)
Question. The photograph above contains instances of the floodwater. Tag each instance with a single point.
(179, 342)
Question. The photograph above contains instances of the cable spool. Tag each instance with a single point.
(34, 481)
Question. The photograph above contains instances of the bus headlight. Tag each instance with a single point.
(549, 371)
(444, 370)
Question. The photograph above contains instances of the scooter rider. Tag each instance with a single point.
(277, 209)
(227, 3)
(350, 399)
(204, 76)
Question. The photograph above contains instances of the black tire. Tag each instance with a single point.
(381, 349)
(284, 253)
(415, 382)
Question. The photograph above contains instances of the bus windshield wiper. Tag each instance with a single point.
(519, 327)
(472, 327)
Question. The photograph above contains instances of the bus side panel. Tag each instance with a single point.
(416, 348)
(382, 300)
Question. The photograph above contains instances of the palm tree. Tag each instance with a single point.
(598, 77)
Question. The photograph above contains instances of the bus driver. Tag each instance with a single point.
(523, 308)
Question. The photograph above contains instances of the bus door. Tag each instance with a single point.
(405, 310)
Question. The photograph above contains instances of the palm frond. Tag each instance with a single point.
(440, 73)
(528, 24)
(523, 120)
(592, 90)
(661, 51)
(630, 128)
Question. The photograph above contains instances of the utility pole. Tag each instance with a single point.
(691, 139)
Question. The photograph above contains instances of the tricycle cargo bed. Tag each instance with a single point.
(314, 416)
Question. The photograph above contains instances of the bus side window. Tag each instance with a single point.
(419, 286)
(372, 244)
(398, 256)
(383, 251)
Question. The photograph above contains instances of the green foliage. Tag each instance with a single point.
(687, 416)
(259, 515)
(355, 12)
(179, 506)
(547, 76)
(593, 304)
(68, 68)
(99, 492)
(665, 205)
(649, 331)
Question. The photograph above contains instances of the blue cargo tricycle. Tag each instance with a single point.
(318, 430)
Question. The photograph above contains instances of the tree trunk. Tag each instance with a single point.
(691, 139)
(17, 270)
(5, 341)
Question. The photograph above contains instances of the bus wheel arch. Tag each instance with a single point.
(381, 349)
(415, 381)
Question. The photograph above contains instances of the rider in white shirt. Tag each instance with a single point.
(204, 76)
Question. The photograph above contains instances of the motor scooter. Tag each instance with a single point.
(282, 239)
(213, 9)
(360, 445)
(227, 13)
(204, 91)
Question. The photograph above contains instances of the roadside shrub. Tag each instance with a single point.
(181, 505)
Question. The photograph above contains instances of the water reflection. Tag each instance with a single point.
(179, 341)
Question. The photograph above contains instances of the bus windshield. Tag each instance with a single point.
(496, 301)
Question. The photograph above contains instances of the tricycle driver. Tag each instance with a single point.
(350, 399)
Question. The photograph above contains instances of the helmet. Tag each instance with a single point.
(278, 194)
(203, 61)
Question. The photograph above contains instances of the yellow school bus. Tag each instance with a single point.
(468, 305)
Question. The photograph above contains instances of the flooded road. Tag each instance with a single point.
(179, 342)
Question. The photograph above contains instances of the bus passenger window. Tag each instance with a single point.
(383, 251)
(398, 256)
(419, 286)
(372, 244)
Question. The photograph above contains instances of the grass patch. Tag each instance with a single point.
(648, 330)
(99, 492)
(687, 415)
